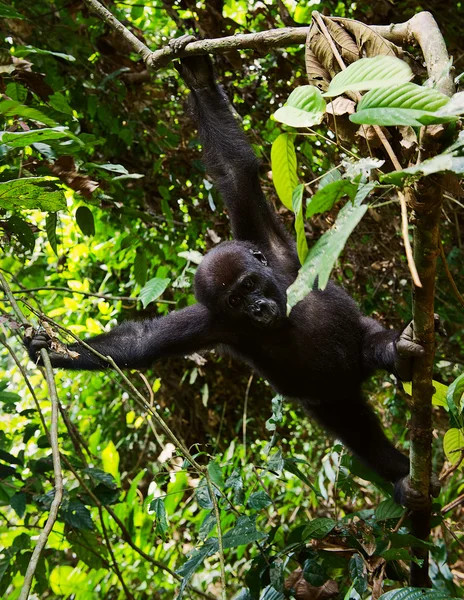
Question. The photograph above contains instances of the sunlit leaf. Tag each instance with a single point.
(319, 528)
(305, 107)
(110, 460)
(369, 73)
(453, 445)
(153, 290)
(297, 204)
(31, 193)
(283, 160)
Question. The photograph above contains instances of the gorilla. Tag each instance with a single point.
(319, 354)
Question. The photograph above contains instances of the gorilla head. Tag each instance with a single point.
(235, 279)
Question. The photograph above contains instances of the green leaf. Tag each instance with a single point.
(11, 108)
(369, 73)
(453, 445)
(327, 196)
(297, 205)
(140, 267)
(388, 509)
(358, 573)
(9, 458)
(31, 193)
(215, 473)
(277, 413)
(50, 227)
(284, 164)
(322, 256)
(305, 107)
(196, 558)
(18, 503)
(243, 533)
(437, 164)
(65, 580)
(175, 492)
(203, 496)
(314, 573)
(235, 482)
(26, 50)
(455, 401)
(319, 528)
(454, 107)
(407, 104)
(19, 139)
(77, 515)
(259, 500)
(153, 290)
(110, 460)
(276, 462)
(99, 476)
(22, 231)
(160, 513)
(85, 220)
(8, 12)
(291, 465)
(410, 593)
(88, 548)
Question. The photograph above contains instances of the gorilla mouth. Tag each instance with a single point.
(267, 316)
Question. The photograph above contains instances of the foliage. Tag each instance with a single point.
(105, 211)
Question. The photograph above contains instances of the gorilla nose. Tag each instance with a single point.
(258, 308)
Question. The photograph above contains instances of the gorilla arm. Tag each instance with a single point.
(137, 344)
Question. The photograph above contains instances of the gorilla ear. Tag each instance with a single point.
(260, 256)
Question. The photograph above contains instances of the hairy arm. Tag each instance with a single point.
(137, 344)
(388, 349)
(230, 160)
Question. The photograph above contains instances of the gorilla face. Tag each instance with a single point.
(236, 280)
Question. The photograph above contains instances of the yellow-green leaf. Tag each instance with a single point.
(283, 160)
(110, 461)
(453, 443)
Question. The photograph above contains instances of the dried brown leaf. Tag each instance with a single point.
(341, 106)
(368, 41)
(347, 46)
(305, 591)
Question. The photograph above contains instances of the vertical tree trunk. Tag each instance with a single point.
(426, 250)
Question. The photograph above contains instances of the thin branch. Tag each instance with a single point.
(244, 418)
(453, 504)
(116, 568)
(217, 517)
(53, 513)
(406, 241)
(54, 288)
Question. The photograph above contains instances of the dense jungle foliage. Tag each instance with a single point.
(122, 214)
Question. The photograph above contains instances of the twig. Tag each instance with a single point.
(244, 418)
(53, 513)
(453, 504)
(54, 288)
(217, 516)
(449, 275)
(55, 505)
(116, 568)
(407, 243)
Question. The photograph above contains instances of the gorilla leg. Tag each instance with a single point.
(355, 424)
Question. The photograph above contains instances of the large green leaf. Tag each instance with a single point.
(437, 164)
(243, 533)
(11, 108)
(153, 290)
(327, 196)
(369, 73)
(453, 445)
(85, 220)
(31, 193)
(283, 160)
(322, 256)
(406, 104)
(319, 528)
(410, 593)
(455, 401)
(305, 107)
(19, 139)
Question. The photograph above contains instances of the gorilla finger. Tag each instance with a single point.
(408, 348)
(439, 326)
(178, 44)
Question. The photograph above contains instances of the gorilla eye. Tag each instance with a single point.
(234, 301)
(248, 284)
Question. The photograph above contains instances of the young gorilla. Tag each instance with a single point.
(318, 355)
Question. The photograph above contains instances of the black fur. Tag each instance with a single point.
(318, 355)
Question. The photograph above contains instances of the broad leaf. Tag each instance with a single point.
(11, 108)
(22, 231)
(455, 401)
(259, 500)
(322, 256)
(319, 528)
(243, 533)
(314, 573)
(50, 227)
(19, 139)
(305, 107)
(153, 290)
(327, 196)
(283, 160)
(437, 164)
(369, 73)
(406, 104)
(388, 509)
(85, 220)
(31, 193)
(453, 445)
(157, 506)
(195, 560)
(410, 593)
